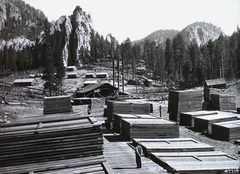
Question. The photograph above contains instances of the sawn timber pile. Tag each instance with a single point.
(49, 138)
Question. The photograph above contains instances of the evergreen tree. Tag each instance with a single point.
(169, 65)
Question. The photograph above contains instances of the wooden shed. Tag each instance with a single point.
(25, 82)
(184, 101)
(72, 75)
(97, 90)
(89, 75)
(102, 75)
(210, 87)
(71, 68)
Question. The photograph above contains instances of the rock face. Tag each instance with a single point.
(76, 30)
(201, 32)
(20, 24)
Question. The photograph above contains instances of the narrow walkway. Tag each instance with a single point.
(121, 157)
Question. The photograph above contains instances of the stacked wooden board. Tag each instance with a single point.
(172, 145)
(187, 118)
(149, 128)
(238, 110)
(123, 107)
(51, 142)
(223, 102)
(205, 122)
(186, 155)
(184, 101)
(229, 130)
(57, 104)
(117, 124)
(196, 162)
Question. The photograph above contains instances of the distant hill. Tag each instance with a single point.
(158, 36)
(201, 32)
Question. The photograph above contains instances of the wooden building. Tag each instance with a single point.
(72, 75)
(223, 102)
(97, 90)
(102, 75)
(211, 86)
(25, 82)
(71, 68)
(89, 75)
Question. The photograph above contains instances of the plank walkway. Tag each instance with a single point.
(121, 157)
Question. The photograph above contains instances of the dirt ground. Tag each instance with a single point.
(24, 107)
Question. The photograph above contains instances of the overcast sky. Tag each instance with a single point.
(138, 18)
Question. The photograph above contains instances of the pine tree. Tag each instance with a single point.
(169, 65)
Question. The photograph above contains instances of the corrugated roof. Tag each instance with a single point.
(92, 87)
(213, 82)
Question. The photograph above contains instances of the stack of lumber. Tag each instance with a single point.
(184, 101)
(123, 107)
(227, 131)
(205, 122)
(81, 101)
(196, 162)
(172, 145)
(149, 128)
(209, 91)
(48, 139)
(57, 104)
(223, 102)
(118, 119)
(238, 110)
(187, 118)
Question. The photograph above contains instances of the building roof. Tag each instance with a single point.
(24, 80)
(214, 82)
(92, 87)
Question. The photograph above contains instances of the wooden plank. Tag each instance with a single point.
(149, 128)
(227, 131)
(191, 162)
(187, 118)
(205, 122)
(172, 145)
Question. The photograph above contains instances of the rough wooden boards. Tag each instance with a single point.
(149, 128)
(184, 101)
(223, 102)
(57, 104)
(80, 165)
(118, 119)
(228, 131)
(172, 145)
(49, 139)
(195, 162)
(187, 118)
(205, 122)
(123, 107)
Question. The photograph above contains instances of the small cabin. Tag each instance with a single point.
(72, 75)
(71, 68)
(213, 86)
(89, 75)
(89, 82)
(102, 75)
(25, 82)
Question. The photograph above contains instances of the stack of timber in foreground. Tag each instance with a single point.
(149, 128)
(123, 107)
(63, 143)
(184, 101)
(205, 122)
(223, 102)
(214, 162)
(57, 104)
(228, 131)
(117, 124)
(186, 155)
(171, 145)
(187, 118)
